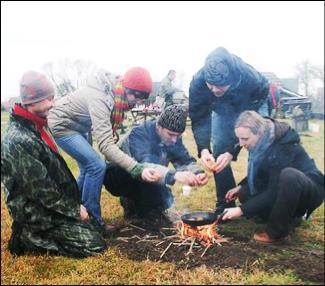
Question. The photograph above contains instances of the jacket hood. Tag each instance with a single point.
(284, 134)
(102, 80)
(220, 68)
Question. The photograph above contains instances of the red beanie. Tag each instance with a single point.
(138, 79)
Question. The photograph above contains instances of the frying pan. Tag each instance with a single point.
(201, 218)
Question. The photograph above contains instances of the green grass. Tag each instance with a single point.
(115, 267)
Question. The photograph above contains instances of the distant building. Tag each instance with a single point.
(272, 78)
(287, 83)
(291, 83)
(289, 97)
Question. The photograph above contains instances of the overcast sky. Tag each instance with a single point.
(271, 36)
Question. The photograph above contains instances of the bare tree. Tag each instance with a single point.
(318, 73)
(307, 72)
(304, 74)
(68, 75)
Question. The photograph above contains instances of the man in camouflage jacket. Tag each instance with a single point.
(40, 191)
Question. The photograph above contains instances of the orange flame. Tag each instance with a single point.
(206, 234)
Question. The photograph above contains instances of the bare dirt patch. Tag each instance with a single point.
(240, 252)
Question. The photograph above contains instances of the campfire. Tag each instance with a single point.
(198, 230)
(205, 234)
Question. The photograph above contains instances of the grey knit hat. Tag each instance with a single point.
(35, 87)
(173, 118)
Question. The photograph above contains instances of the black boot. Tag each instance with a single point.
(15, 245)
(129, 207)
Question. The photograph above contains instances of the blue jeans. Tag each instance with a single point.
(222, 132)
(91, 171)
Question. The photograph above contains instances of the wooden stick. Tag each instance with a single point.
(166, 250)
(137, 227)
(183, 241)
(122, 238)
(171, 236)
(163, 234)
(205, 250)
(161, 242)
(191, 247)
(125, 229)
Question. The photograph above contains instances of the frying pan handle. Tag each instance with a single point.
(220, 216)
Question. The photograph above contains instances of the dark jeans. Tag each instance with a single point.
(146, 196)
(297, 195)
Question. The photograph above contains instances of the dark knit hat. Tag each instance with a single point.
(35, 87)
(173, 118)
(138, 79)
(217, 70)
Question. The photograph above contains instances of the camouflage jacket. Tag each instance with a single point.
(40, 190)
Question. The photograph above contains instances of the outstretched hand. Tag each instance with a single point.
(207, 160)
(232, 194)
(150, 175)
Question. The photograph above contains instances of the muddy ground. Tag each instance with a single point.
(239, 252)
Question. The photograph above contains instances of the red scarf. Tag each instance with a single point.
(40, 124)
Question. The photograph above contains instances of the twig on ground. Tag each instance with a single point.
(183, 242)
(134, 226)
(125, 229)
(161, 242)
(166, 250)
(205, 250)
(123, 239)
(191, 247)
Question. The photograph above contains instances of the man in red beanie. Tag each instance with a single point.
(41, 193)
(99, 107)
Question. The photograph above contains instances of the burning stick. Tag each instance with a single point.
(166, 250)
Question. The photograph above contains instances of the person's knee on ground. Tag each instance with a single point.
(291, 203)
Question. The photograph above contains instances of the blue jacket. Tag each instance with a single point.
(144, 145)
(249, 92)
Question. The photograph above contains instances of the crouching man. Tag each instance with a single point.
(41, 193)
(156, 143)
(283, 183)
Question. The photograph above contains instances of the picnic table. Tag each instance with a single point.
(140, 114)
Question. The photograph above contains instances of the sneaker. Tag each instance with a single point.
(263, 237)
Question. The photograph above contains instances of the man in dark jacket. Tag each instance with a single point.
(283, 183)
(218, 93)
(155, 143)
(41, 194)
